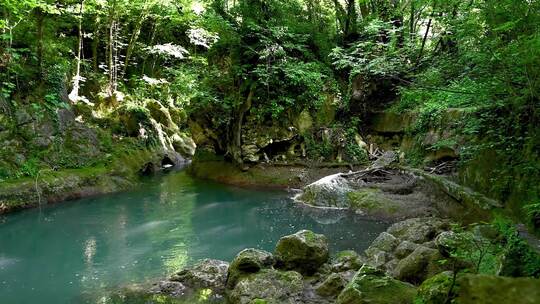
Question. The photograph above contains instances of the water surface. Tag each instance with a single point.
(63, 253)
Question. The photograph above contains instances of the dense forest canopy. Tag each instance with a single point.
(229, 65)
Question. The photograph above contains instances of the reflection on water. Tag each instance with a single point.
(87, 247)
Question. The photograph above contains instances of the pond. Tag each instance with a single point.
(66, 252)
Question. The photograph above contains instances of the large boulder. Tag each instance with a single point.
(304, 251)
(420, 265)
(404, 249)
(171, 288)
(371, 286)
(373, 202)
(436, 290)
(267, 286)
(384, 242)
(488, 289)
(346, 260)
(418, 230)
(183, 144)
(248, 261)
(329, 191)
(333, 284)
(207, 273)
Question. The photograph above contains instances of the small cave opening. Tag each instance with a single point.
(276, 148)
(166, 162)
(148, 169)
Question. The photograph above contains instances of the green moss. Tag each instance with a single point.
(435, 290)
(370, 200)
(371, 286)
(480, 289)
(228, 173)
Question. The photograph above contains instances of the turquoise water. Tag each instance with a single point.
(66, 252)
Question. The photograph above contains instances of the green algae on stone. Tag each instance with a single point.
(369, 200)
(371, 286)
(489, 289)
(268, 285)
(436, 289)
(304, 251)
(248, 261)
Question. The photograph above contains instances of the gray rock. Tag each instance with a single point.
(447, 241)
(267, 286)
(420, 265)
(304, 251)
(248, 261)
(329, 191)
(371, 286)
(378, 258)
(346, 260)
(334, 284)
(175, 289)
(404, 249)
(385, 242)
(184, 144)
(207, 273)
(418, 230)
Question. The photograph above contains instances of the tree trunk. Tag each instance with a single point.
(134, 37)
(111, 65)
(350, 21)
(424, 41)
(39, 29)
(95, 45)
(74, 95)
(235, 145)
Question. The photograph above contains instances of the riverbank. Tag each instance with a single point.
(120, 174)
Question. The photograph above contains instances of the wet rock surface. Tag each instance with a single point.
(403, 265)
(370, 285)
(303, 251)
(207, 273)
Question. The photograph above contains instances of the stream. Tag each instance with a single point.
(73, 251)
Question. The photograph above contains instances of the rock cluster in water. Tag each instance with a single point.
(405, 264)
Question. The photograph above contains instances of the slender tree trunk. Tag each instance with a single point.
(152, 38)
(111, 65)
(412, 34)
(95, 45)
(350, 21)
(235, 146)
(39, 28)
(74, 95)
(133, 39)
(424, 41)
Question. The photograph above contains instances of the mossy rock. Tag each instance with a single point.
(346, 260)
(227, 173)
(248, 261)
(371, 201)
(435, 290)
(267, 286)
(206, 273)
(420, 265)
(418, 230)
(371, 286)
(304, 251)
(332, 285)
(489, 289)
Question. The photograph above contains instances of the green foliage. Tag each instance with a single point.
(30, 168)
(532, 212)
(318, 149)
(520, 258)
(475, 250)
